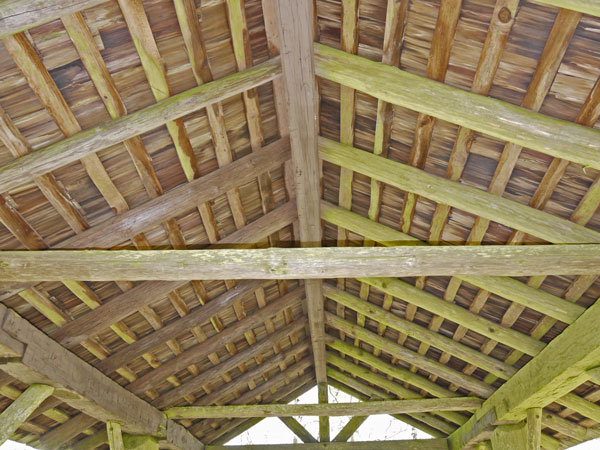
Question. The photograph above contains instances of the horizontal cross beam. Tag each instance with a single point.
(299, 263)
(414, 444)
(326, 409)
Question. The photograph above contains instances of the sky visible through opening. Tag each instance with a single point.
(375, 428)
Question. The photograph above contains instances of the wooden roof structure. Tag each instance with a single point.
(209, 207)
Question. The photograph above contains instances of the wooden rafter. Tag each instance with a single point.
(415, 444)
(314, 263)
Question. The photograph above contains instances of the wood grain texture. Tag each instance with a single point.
(315, 263)
(20, 410)
(295, 21)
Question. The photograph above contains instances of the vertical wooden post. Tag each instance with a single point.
(19, 410)
(115, 438)
(323, 420)
(534, 428)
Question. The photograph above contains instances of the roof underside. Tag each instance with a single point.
(48, 93)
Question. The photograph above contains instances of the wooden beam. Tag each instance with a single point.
(326, 409)
(585, 6)
(296, 427)
(467, 198)
(415, 444)
(493, 117)
(317, 263)
(19, 15)
(542, 380)
(19, 410)
(350, 428)
(295, 25)
(136, 442)
(113, 132)
(60, 435)
(509, 437)
(323, 397)
(534, 428)
(81, 386)
(115, 437)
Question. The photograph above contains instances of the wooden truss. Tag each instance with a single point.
(506, 409)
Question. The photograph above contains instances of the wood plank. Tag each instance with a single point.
(325, 409)
(320, 263)
(133, 442)
(415, 444)
(295, 25)
(64, 152)
(424, 421)
(80, 385)
(534, 428)
(529, 129)
(19, 411)
(467, 198)
(508, 437)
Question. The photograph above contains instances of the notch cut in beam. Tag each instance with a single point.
(554, 137)
(326, 409)
(54, 156)
(299, 263)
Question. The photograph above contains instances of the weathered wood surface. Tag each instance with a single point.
(295, 26)
(467, 198)
(19, 411)
(80, 385)
(585, 6)
(316, 263)
(296, 427)
(115, 437)
(557, 370)
(490, 116)
(92, 140)
(326, 409)
(416, 444)
(20, 15)
(350, 428)
(60, 435)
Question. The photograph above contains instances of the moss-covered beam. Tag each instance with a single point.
(297, 428)
(467, 198)
(558, 138)
(18, 411)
